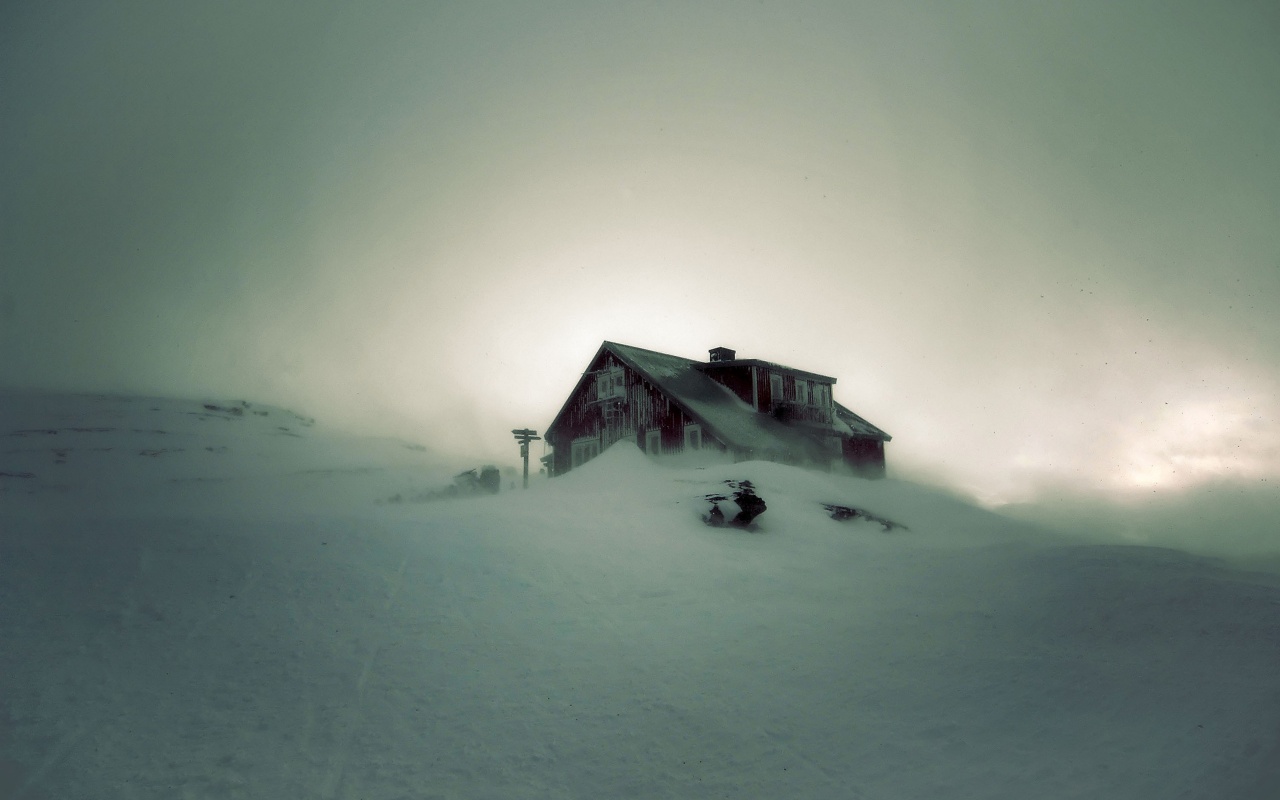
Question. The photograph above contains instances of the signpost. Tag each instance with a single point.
(524, 436)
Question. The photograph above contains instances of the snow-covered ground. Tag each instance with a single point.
(210, 603)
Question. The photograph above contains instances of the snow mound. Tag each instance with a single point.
(628, 483)
(64, 453)
(277, 633)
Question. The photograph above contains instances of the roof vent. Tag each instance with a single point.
(722, 354)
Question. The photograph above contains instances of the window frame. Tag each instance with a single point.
(582, 450)
(611, 383)
(652, 436)
(696, 430)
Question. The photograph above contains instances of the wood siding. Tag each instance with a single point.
(736, 379)
(785, 407)
(640, 409)
(865, 456)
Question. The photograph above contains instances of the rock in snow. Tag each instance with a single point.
(747, 505)
(846, 513)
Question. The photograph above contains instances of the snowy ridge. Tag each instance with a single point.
(278, 633)
(71, 453)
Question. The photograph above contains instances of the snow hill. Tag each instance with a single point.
(77, 454)
(203, 602)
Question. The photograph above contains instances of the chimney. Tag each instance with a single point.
(722, 354)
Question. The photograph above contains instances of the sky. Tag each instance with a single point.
(1037, 243)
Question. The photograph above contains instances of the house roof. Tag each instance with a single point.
(722, 413)
(769, 365)
(857, 425)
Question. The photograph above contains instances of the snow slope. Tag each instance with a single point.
(251, 622)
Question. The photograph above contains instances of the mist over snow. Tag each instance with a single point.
(1233, 520)
(272, 274)
(217, 599)
(1037, 244)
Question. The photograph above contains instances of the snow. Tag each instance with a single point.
(252, 622)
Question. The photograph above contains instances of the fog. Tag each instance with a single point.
(1040, 246)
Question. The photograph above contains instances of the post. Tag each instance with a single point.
(524, 436)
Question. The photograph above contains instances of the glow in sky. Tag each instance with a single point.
(1040, 246)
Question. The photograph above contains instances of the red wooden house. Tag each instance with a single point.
(750, 408)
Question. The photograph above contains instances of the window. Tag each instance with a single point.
(802, 392)
(693, 437)
(611, 383)
(584, 450)
(775, 388)
(653, 442)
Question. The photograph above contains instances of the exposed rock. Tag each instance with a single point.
(847, 513)
(233, 410)
(484, 480)
(715, 517)
(750, 505)
(490, 479)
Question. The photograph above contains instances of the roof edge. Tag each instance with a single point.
(581, 379)
(842, 410)
(756, 362)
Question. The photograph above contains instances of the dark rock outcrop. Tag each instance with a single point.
(750, 505)
(847, 513)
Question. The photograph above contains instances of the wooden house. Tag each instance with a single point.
(749, 408)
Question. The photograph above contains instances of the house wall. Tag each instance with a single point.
(736, 379)
(641, 408)
(864, 456)
(764, 390)
(784, 406)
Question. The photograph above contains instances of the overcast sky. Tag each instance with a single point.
(1038, 243)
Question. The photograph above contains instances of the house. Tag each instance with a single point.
(749, 408)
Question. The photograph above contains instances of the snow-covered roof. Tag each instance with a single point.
(857, 426)
(724, 415)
